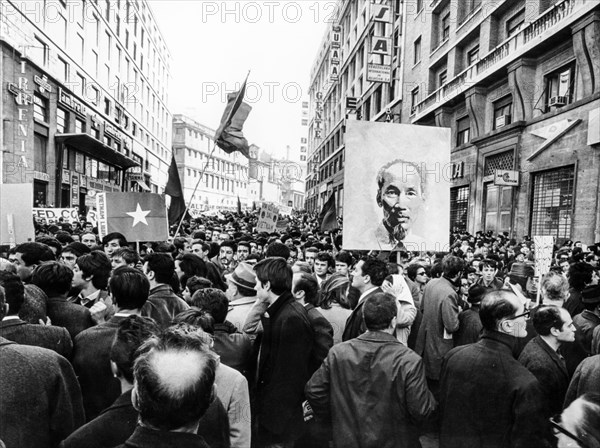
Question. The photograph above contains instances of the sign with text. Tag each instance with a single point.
(267, 218)
(507, 178)
(52, 215)
(543, 247)
(16, 225)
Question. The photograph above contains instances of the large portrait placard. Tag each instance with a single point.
(396, 187)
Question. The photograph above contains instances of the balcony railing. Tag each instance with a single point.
(497, 57)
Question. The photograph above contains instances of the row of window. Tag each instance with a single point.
(217, 182)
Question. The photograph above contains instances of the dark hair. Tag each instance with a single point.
(545, 318)
(167, 406)
(277, 272)
(308, 284)
(204, 244)
(213, 301)
(76, 248)
(345, 257)
(51, 242)
(580, 274)
(194, 283)
(128, 255)
(452, 266)
(179, 243)
(133, 331)
(64, 237)
(14, 291)
(495, 306)
(53, 278)
(162, 265)
(326, 257)
(198, 318)
(277, 250)
(476, 294)
(95, 263)
(129, 287)
(114, 236)
(228, 243)
(488, 262)
(191, 265)
(376, 269)
(379, 310)
(412, 269)
(34, 253)
(588, 426)
(334, 289)
(244, 243)
(303, 267)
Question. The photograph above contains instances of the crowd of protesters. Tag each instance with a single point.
(224, 337)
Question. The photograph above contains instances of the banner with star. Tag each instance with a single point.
(138, 216)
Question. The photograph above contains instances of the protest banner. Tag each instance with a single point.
(138, 216)
(52, 215)
(16, 224)
(267, 218)
(396, 187)
(543, 249)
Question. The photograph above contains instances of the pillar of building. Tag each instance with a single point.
(475, 100)
(443, 117)
(586, 46)
(521, 82)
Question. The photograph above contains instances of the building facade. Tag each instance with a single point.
(84, 99)
(224, 176)
(516, 81)
(518, 84)
(349, 67)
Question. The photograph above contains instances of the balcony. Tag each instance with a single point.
(554, 19)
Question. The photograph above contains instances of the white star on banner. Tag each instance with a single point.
(139, 215)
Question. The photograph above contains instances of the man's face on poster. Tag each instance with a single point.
(401, 198)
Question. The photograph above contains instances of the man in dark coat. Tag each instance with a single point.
(306, 290)
(554, 327)
(91, 357)
(285, 350)
(586, 321)
(367, 277)
(487, 398)
(372, 388)
(40, 400)
(585, 380)
(163, 304)
(55, 279)
(16, 330)
(469, 322)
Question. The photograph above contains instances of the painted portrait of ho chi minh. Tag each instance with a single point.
(396, 187)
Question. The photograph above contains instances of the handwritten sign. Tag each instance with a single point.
(544, 246)
(267, 218)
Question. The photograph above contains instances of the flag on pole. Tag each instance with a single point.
(328, 215)
(229, 136)
(173, 189)
(138, 216)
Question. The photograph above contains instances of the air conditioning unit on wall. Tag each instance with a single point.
(557, 101)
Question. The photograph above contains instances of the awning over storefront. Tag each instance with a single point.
(143, 185)
(95, 148)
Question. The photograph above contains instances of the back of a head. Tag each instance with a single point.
(197, 318)
(34, 253)
(277, 272)
(195, 283)
(276, 249)
(495, 306)
(14, 291)
(580, 274)
(476, 294)
(133, 331)
(554, 287)
(129, 288)
(308, 284)
(162, 265)
(545, 318)
(583, 419)
(34, 305)
(98, 264)
(452, 266)
(212, 300)
(379, 310)
(376, 270)
(302, 266)
(53, 278)
(174, 377)
(334, 289)
(345, 257)
(76, 248)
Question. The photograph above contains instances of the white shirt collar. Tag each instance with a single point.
(366, 293)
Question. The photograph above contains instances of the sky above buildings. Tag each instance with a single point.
(213, 44)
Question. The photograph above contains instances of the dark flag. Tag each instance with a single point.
(239, 206)
(229, 137)
(328, 215)
(173, 189)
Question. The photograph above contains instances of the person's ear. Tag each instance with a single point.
(507, 326)
(134, 397)
(114, 369)
(150, 275)
(367, 278)
(378, 197)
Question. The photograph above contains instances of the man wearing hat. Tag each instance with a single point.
(589, 319)
(520, 280)
(241, 293)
